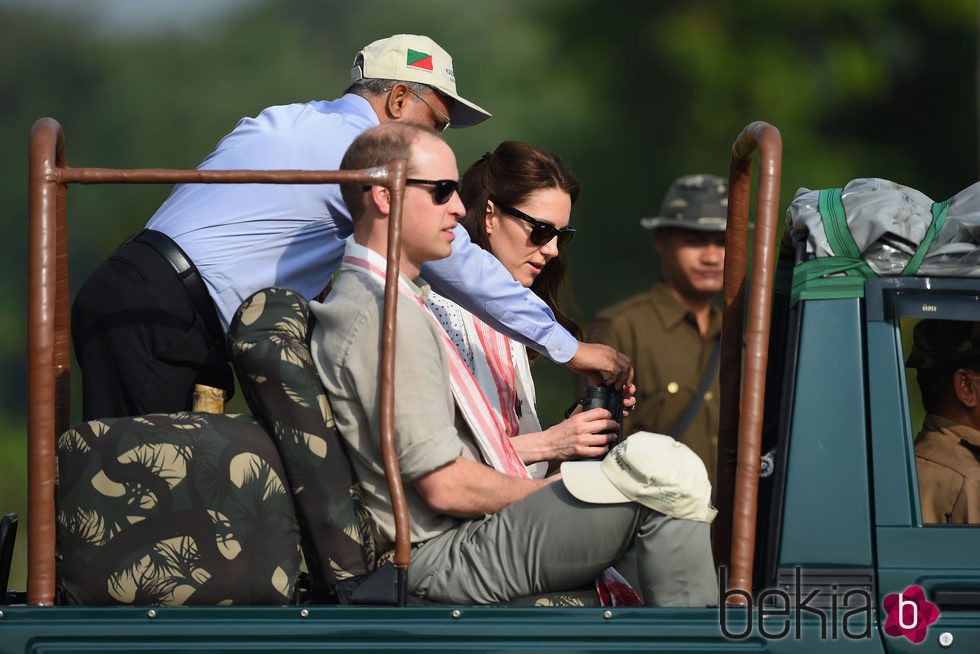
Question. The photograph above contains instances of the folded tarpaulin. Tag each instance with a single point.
(875, 227)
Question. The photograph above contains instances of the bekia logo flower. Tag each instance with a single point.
(909, 614)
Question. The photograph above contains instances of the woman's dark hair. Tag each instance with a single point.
(510, 175)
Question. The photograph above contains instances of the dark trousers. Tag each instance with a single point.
(138, 339)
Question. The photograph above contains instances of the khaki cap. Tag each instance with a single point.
(650, 469)
(415, 58)
(939, 343)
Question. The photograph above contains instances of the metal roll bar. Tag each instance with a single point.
(48, 350)
(742, 412)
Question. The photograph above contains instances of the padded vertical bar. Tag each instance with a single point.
(399, 505)
(47, 152)
(741, 414)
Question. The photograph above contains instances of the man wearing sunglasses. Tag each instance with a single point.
(672, 331)
(482, 530)
(150, 323)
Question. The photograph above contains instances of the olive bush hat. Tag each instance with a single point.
(415, 58)
(939, 343)
(698, 202)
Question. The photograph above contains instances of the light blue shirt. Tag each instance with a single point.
(246, 237)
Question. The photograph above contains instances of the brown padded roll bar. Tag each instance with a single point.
(742, 412)
(48, 354)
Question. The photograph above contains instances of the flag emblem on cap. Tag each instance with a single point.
(418, 59)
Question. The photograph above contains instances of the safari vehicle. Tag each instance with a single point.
(818, 524)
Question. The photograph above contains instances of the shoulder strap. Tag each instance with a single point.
(677, 431)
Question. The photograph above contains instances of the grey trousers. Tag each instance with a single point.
(550, 541)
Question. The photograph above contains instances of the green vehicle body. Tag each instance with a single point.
(838, 529)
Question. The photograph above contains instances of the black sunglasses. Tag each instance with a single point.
(541, 232)
(442, 189)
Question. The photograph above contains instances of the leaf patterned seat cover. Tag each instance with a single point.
(173, 509)
(270, 353)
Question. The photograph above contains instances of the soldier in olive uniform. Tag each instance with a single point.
(672, 331)
(946, 354)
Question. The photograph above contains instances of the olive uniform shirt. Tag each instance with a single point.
(669, 357)
(947, 460)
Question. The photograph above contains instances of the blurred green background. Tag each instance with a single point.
(630, 93)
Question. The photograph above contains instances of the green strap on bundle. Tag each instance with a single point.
(939, 210)
(834, 217)
(843, 275)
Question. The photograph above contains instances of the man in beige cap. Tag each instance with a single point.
(672, 332)
(150, 322)
(946, 354)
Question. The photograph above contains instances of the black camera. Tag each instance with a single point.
(603, 397)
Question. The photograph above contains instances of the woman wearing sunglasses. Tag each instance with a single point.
(519, 201)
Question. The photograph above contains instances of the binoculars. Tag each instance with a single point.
(603, 397)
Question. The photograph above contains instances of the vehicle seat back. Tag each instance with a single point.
(173, 509)
(269, 338)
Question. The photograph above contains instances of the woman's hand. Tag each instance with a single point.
(629, 398)
(577, 437)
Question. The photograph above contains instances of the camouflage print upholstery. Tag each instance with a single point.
(172, 509)
(270, 353)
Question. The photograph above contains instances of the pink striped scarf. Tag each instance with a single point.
(497, 348)
(488, 355)
(490, 428)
